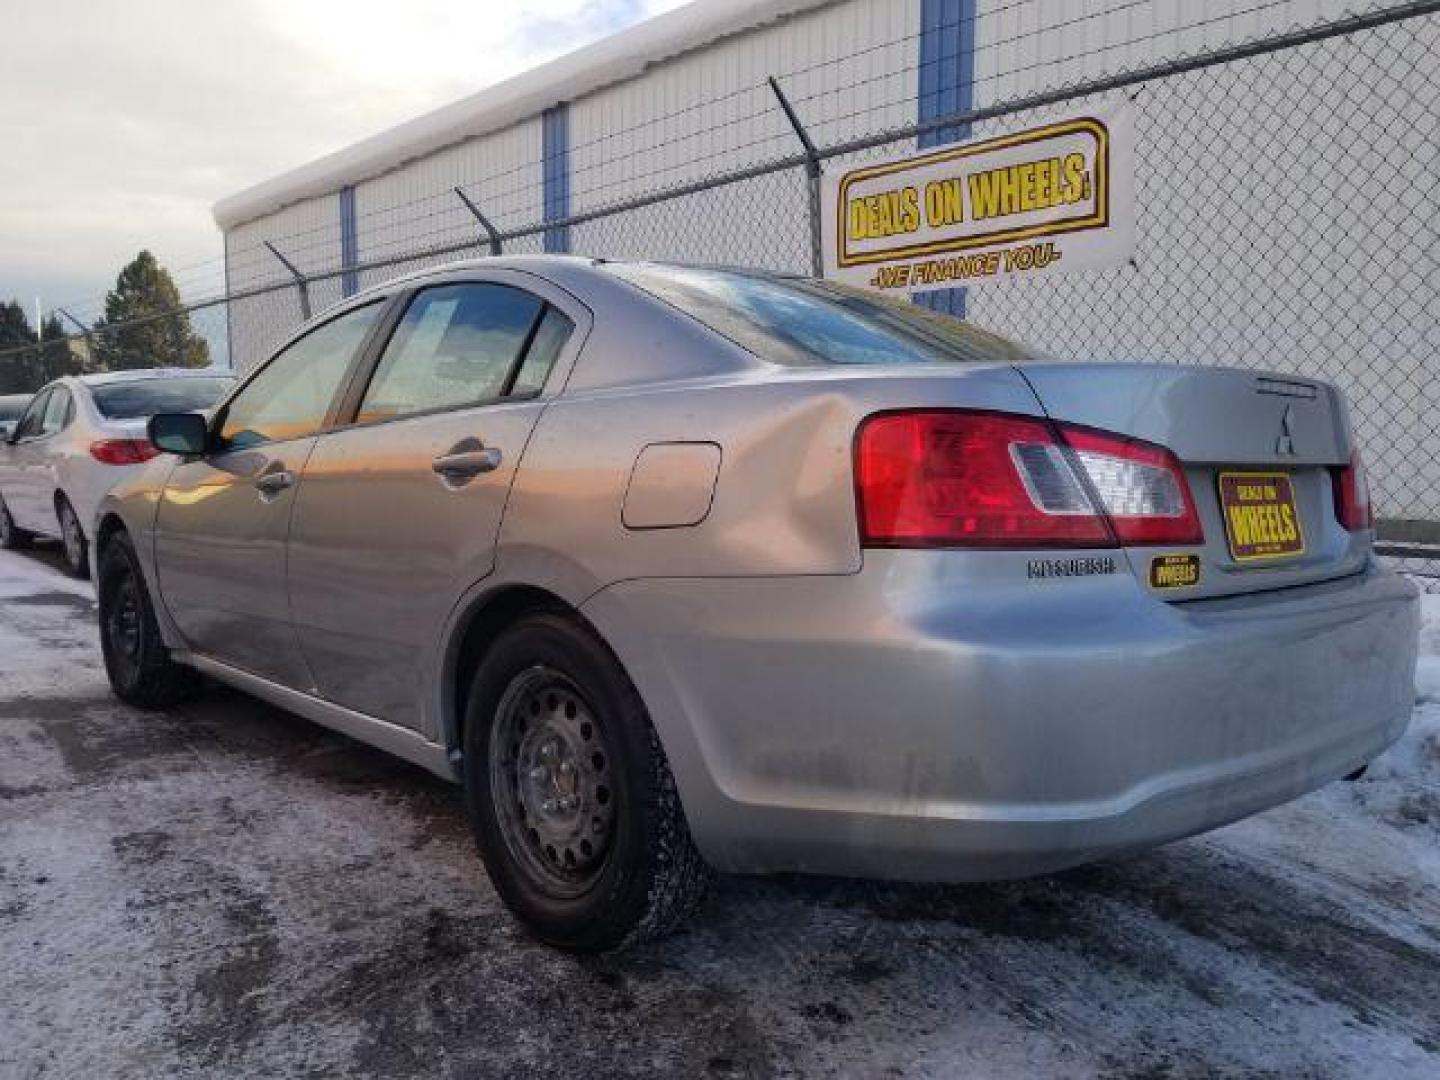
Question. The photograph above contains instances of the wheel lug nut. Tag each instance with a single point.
(549, 806)
(539, 773)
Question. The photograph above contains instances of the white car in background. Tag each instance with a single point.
(78, 437)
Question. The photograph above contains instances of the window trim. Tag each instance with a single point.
(350, 410)
(222, 411)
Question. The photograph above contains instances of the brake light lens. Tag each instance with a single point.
(122, 451)
(952, 478)
(1352, 495)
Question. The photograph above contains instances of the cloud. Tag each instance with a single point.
(125, 120)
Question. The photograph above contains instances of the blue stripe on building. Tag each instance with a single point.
(555, 149)
(349, 243)
(947, 85)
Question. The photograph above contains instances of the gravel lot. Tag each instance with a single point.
(228, 890)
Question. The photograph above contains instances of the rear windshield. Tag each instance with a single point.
(800, 321)
(146, 397)
(12, 407)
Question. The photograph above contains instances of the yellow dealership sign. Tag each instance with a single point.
(1051, 198)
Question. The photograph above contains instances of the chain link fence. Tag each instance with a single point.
(1287, 219)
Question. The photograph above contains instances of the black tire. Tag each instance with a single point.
(136, 660)
(12, 537)
(74, 542)
(648, 876)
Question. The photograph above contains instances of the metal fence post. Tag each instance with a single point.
(492, 235)
(812, 174)
(87, 333)
(301, 285)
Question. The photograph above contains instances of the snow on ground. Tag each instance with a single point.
(227, 890)
(1427, 675)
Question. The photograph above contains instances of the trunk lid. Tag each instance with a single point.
(1249, 443)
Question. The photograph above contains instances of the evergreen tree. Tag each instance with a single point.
(25, 371)
(143, 291)
(57, 355)
(18, 370)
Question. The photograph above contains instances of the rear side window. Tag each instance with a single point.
(292, 395)
(57, 412)
(34, 418)
(13, 408)
(555, 330)
(146, 397)
(457, 345)
(798, 321)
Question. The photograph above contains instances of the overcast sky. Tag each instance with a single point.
(123, 121)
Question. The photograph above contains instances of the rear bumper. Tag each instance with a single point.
(925, 720)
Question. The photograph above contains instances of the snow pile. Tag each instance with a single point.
(1417, 755)
(1427, 675)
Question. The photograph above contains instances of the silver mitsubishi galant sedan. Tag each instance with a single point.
(678, 569)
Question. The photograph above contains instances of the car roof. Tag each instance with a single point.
(561, 269)
(139, 375)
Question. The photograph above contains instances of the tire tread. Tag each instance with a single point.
(676, 875)
(161, 681)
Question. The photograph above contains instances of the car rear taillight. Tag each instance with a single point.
(1141, 487)
(1352, 495)
(952, 478)
(122, 451)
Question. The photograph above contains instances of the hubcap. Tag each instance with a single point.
(550, 780)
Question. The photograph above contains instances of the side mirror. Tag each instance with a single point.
(186, 434)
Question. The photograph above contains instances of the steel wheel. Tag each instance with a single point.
(569, 793)
(123, 622)
(549, 777)
(140, 668)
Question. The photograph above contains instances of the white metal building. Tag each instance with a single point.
(684, 97)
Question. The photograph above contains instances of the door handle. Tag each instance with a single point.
(272, 483)
(467, 463)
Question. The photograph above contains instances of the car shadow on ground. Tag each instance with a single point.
(48, 553)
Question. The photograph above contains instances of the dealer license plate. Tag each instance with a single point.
(1261, 518)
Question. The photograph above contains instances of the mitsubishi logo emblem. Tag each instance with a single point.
(1285, 444)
